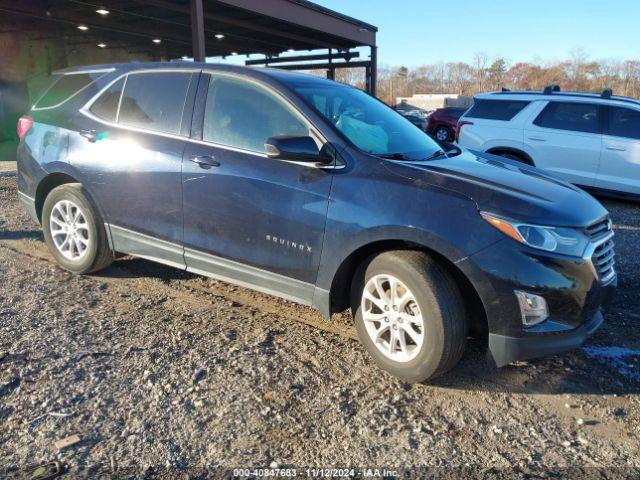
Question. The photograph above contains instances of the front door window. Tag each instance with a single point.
(243, 115)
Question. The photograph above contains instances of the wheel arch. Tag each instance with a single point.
(515, 151)
(339, 294)
(47, 184)
(443, 125)
(61, 176)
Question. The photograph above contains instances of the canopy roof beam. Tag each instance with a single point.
(301, 58)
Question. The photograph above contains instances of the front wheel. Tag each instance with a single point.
(409, 315)
(73, 230)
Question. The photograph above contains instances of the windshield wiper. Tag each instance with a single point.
(435, 154)
(395, 156)
(402, 156)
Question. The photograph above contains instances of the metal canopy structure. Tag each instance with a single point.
(168, 29)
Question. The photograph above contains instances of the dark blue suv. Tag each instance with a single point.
(318, 193)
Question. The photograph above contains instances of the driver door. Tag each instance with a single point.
(248, 218)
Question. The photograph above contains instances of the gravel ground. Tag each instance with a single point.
(7, 167)
(159, 372)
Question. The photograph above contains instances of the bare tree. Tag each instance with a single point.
(578, 72)
(480, 64)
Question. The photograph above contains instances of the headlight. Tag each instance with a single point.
(567, 241)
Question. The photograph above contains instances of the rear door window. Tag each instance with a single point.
(64, 87)
(496, 109)
(106, 106)
(572, 116)
(244, 115)
(154, 101)
(624, 122)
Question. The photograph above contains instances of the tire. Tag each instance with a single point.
(443, 134)
(441, 315)
(87, 232)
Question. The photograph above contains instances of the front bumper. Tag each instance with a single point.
(505, 350)
(574, 295)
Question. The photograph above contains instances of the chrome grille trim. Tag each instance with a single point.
(603, 260)
(600, 252)
(599, 228)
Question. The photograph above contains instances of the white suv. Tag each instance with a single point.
(587, 139)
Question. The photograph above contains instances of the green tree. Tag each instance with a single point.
(496, 73)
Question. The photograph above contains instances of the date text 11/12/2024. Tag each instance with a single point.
(315, 472)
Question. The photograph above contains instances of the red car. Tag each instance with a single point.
(442, 123)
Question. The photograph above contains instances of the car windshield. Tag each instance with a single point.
(368, 123)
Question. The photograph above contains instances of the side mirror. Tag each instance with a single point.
(296, 149)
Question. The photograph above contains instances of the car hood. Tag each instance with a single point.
(512, 189)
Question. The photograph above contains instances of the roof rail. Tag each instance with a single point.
(548, 90)
(634, 101)
(505, 89)
(606, 93)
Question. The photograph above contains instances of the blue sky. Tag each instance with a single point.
(415, 32)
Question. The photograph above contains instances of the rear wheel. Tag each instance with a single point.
(409, 315)
(74, 231)
(443, 134)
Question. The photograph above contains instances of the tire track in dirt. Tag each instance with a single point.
(183, 294)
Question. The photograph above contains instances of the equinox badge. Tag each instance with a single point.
(289, 244)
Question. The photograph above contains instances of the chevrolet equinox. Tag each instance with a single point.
(316, 192)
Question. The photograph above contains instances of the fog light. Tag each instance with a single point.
(533, 308)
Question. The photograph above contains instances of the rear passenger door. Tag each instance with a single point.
(249, 218)
(620, 162)
(565, 139)
(131, 153)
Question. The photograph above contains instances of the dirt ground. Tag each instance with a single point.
(160, 372)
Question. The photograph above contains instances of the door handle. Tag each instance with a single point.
(90, 135)
(205, 161)
(537, 139)
(616, 148)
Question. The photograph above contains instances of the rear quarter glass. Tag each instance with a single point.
(63, 87)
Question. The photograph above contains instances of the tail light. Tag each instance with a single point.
(24, 125)
(459, 125)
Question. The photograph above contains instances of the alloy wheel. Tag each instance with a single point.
(392, 318)
(69, 230)
(442, 135)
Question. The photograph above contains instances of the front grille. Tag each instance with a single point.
(603, 257)
(599, 229)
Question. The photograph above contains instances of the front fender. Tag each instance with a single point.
(453, 238)
(331, 261)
